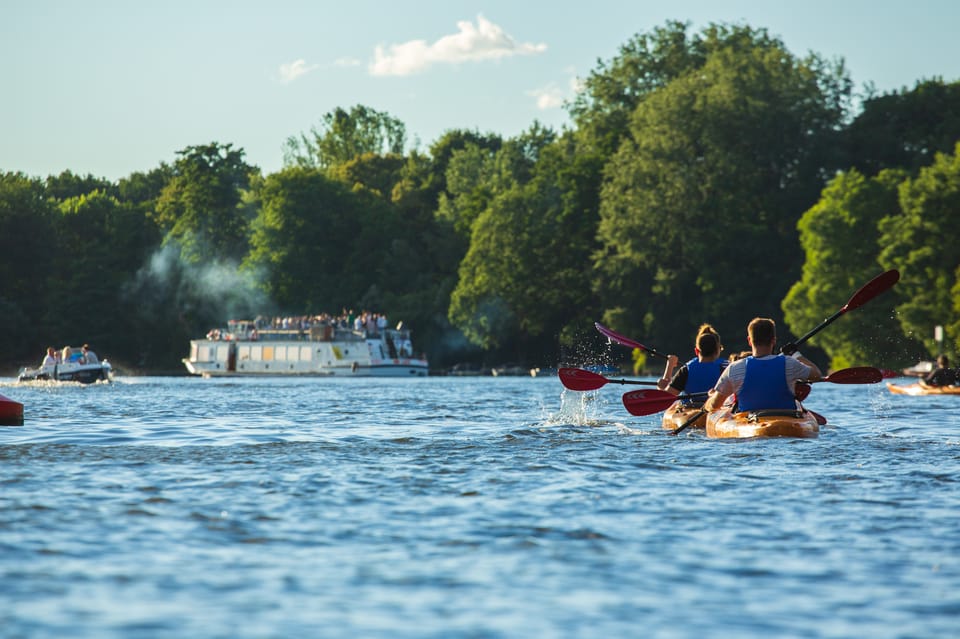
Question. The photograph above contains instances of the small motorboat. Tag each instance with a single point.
(73, 370)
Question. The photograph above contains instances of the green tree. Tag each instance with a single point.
(923, 243)
(27, 246)
(201, 207)
(100, 243)
(345, 135)
(317, 245)
(905, 129)
(611, 92)
(840, 236)
(522, 280)
(700, 203)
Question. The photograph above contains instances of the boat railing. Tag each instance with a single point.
(248, 332)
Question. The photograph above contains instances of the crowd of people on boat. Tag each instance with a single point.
(366, 323)
(66, 355)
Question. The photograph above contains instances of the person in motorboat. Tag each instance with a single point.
(763, 380)
(701, 373)
(50, 359)
(88, 356)
(942, 375)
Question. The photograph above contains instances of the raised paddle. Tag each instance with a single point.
(648, 402)
(578, 379)
(867, 292)
(626, 341)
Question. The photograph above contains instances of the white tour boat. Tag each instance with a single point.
(246, 348)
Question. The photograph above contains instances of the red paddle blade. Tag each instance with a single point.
(648, 401)
(889, 374)
(871, 289)
(856, 375)
(626, 341)
(617, 337)
(580, 380)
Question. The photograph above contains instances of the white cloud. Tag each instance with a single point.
(290, 71)
(483, 41)
(548, 97)
(552, 97)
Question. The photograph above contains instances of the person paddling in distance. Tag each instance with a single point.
(701, 373)
(763, 380)
(942, 375)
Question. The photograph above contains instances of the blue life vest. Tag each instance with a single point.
(702, 376)
(765, 385)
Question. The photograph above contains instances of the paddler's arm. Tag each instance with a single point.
(664, 381)
(720, 392)
(815, 373)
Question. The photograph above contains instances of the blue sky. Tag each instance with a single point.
(111, 87)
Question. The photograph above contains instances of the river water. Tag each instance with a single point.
(467, 507)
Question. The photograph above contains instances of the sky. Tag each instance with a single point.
(113, 87)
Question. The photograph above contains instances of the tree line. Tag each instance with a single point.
(706, 176)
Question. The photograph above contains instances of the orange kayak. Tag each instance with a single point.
(923, 389)
(762, 423)
(678, 414)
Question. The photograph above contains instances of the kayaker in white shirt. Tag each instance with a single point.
(763, 380)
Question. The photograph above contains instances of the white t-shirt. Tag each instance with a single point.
(731, 380)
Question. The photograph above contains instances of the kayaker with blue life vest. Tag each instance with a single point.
(763, 380)
(701, 373)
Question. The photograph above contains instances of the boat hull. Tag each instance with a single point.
(679, 413)
(286, 358)
(11, 412)
(725, 423)
(77, 373)
(922, 389)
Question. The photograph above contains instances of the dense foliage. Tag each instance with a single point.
(707, 177)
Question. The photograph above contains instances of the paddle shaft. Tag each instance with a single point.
(687, 424)
(864, 294)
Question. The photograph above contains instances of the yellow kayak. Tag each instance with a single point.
(678, 414)
(923, 389)
(762, 423)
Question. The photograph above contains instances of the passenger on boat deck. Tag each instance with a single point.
(66, 354)
(763, 380)
(50, 359)
(88, 356)
(700, 373)
(942, 375)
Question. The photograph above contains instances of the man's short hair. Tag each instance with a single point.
(762, 330)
